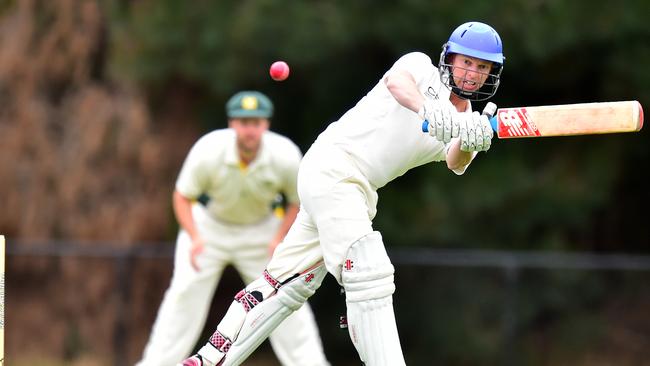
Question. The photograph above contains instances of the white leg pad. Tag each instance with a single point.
(367, 277)
(258, 311)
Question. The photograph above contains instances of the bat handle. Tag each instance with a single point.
(493, 123)
(425, 126)
(489, 111)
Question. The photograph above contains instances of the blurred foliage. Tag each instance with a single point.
(81, 156)
(561, 193)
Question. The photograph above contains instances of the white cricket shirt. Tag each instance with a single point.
(240, 195)
(384, 138)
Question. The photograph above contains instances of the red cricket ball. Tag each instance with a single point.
(279, 71)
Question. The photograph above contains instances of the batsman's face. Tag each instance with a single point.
(469, 72)
(249, 132)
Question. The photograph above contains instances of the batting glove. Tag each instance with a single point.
(476, 133)
(444, 122)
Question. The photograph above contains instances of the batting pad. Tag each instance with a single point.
(250, 327)
(368, 281)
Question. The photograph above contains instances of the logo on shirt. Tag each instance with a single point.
(348, 265)
(431, 93)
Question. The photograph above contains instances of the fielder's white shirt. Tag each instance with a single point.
(240, 195)
(384, 138)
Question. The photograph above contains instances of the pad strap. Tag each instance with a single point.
(247, 300)
(220, 342)
(272, 281)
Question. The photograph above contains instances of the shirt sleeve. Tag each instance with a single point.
(192, 180)
(461, 170)
(417, 64)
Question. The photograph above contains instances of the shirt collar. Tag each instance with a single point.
(232, 156)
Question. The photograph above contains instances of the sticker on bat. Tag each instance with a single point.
(515, 122)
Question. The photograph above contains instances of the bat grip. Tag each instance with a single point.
(490, 110)
(493, 123)
(425, 126)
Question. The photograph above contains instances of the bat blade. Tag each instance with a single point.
(568, 119)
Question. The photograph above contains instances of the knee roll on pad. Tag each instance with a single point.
(367, 271)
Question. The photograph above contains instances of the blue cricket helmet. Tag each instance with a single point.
(474, 39)
(477, 40)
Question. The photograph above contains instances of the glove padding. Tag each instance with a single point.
(444, 121)
(475, 133)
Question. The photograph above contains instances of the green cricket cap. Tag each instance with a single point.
(249, 104)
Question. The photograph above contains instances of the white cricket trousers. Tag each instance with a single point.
(337, 207)
(185, 305)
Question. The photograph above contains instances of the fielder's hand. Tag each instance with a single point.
(444, 121)
(196, 249)
(476, 133)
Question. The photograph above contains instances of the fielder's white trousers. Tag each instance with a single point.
(185, 306)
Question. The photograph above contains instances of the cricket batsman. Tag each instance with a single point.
(223, 203)
(376, 141)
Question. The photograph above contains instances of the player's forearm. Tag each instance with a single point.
(183, 212)
(403, 88)
(289, 217)
(456, 158)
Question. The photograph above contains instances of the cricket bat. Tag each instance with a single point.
(567, 119)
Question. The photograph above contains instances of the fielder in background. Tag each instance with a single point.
(223, 203)
(376, 141)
